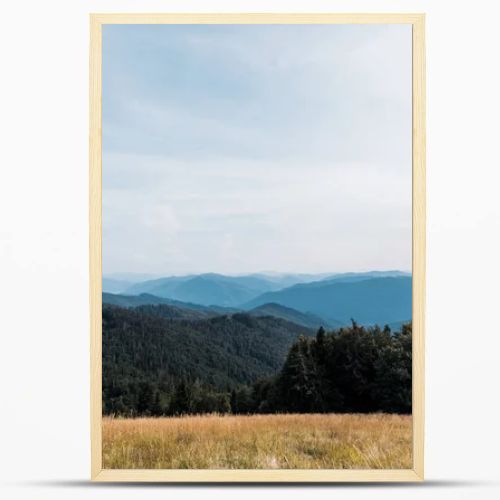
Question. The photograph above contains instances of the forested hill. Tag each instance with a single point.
(142, 347)
(174, 309)
(154, 365)
(148, 299)
(133, 300)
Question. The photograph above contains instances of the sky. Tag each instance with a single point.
(249, 148)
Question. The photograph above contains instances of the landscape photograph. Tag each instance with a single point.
(257, 246)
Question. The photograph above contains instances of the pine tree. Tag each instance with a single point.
(145, 401)
(298, 378)
(234, 402)
(180, 403)
(320, 335)
(157, 409)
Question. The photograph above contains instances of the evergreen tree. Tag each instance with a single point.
(145, 400)
(320, 336)
(157, 408)
(298, 381)
(180, 403)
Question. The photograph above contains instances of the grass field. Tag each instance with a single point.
(373, 441)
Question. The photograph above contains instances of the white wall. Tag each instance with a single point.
(44, 450)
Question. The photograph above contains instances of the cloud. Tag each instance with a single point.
(233, 149)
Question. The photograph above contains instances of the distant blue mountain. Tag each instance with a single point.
(351, 277)
(368, 297)
(284, 280)
(207, 289)
(292, 315)
(119, 282)
(114, 286)
(380, 300)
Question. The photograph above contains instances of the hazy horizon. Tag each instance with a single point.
(118, 274)
(236, 148)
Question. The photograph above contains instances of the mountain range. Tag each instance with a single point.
(370, 301)
(174, 309)
(211, 288)
(331, 300)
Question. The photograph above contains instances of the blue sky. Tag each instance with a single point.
(245, 148)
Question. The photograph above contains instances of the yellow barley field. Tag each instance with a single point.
(332, 441)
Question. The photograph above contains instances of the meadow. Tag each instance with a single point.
(289, 441)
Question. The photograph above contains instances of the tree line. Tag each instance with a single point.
(352, 369)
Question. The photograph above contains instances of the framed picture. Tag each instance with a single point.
(257, 247)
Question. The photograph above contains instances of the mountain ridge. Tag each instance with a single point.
(382, 297)
(370, 301)
(173, 309)
(293, 315)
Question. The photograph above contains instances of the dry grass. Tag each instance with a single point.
(259, 442)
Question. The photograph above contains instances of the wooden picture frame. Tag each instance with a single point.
(169, 475)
